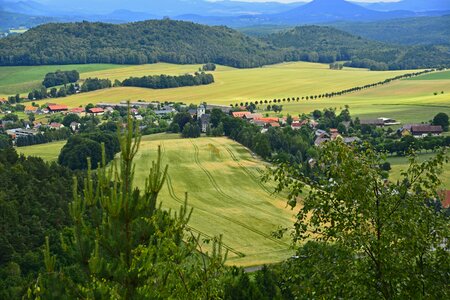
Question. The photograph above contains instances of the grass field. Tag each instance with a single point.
(399, 164)
(433, 76)
(48, 152)
(21, 80)
(406, 101)
(223, 182)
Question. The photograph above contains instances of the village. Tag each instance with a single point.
(50, 115)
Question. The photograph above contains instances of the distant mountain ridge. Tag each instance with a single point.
(314, 12)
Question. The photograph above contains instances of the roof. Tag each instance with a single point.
(205, 118)
(267, 120)
(253, 116)
(320, 140)
(77, 110)
(31, 108)
(372, 122)
(56, 107)
(96, 110)
(241, 114)
(445, 198)
(55, 125)
(275, 124)
(426, 129)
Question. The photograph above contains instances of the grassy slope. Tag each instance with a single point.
(433, 76)
(15, 80)
(224, 189)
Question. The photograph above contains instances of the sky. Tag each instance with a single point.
(291, 1)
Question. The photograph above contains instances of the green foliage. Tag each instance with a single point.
(60, 78)
(209, 67)
(125, 245)
(406, 31)
(392, 230)
(327, 45)
(136, 43)
(92, 84)
(79, 148)
(191, 130)
(34, 203)
(442, 120)
(166, 81)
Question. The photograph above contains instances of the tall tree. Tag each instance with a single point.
(397, 239)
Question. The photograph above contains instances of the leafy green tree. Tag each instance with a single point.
(396, 237)
(441, 119)
(68, 119)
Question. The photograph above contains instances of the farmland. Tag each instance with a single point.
(222, 179)
(408, 100)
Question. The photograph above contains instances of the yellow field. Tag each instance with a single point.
(234, 85)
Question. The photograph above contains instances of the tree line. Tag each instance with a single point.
(167, 81)
(334, 94)
(44, 137)
(60, 78)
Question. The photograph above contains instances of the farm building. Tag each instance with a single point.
(96, 111)
(54, 108)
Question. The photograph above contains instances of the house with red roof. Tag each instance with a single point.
(240, 114)
(30, 109)
(96, 111)
(77, 111)
(54, 108)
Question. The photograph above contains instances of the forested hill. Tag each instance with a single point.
(408, 31)
(135, 43)
(326, 44)
(188, 43)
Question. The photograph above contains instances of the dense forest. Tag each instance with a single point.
(326, 45)
(185, 43)
(135, 43)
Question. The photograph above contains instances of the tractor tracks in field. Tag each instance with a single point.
(179, 200)
(246, 170)
(223, 194)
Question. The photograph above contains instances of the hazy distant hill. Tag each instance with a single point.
(135, 43)
(409, 31)
(413, 5)
(314, 12)
(13, 20)
(330, 44)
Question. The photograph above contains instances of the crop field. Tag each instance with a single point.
(222, 180)
(231, 85)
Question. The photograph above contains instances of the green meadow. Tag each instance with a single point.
(21, 80)
(48, 152)
(400, 164)
(222, 180)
